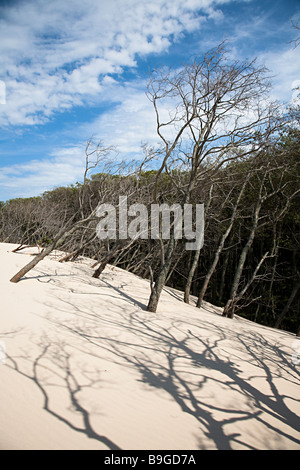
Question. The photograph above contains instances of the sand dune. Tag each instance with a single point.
(86, 367)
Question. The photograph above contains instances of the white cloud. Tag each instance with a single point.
(63, 167)
(60, 54)
(54, 54)
(128, 122)
(271, 41)
(284, 67)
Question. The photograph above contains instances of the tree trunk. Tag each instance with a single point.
(194, 265)
(229, 307)
(287, 306)
(161, 278)
(16, 278)
(223, 276)
(232, 302)
(117, 247)
(63, 235)
(72, 256)
(210, 273)
(221, 246)
(98, 255)
(189, 281)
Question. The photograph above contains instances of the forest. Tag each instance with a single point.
(222, 143)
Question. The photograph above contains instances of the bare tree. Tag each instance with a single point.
(196, 256)
(296, 25)
(271, 181)
(72, 226)
(65, 232)
(289, 303)
(207, 113)
(222, 243)
(96, 154)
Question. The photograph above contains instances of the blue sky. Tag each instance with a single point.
(74, 69)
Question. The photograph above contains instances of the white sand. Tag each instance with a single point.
(87, 367)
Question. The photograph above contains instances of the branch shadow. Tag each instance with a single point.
(184, 387)
(54, 359)
(192, 364)
(184, 365)
(130, 299)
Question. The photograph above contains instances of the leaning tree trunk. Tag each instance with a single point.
(188, 285)
(189, 280)
(287, 306)
(16, 278)
(220, 247)
(212, 269)
(229, 307)
(58, 241)
(160, 281)
(223, 276)
(118, 247)
(74, 255)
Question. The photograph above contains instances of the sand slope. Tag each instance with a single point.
(86, 367)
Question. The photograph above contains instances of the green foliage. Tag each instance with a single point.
(45, 241)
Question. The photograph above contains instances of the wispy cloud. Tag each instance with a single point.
(285, 70)
(55, 55)
(62, 167)
(64, 57)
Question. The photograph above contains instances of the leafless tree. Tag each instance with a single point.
(270, 181)
(225, 235)
(296, 25)
(58, 241)
(287, 306)
(96, 155)
(72, 226)
(208, 112)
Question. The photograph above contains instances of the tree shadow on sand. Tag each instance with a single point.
(193, 365)
(189, 364)
(54, 361)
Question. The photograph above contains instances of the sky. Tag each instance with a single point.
(74, 70)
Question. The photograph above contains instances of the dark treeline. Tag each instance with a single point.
(250, 257)
(222, 143)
